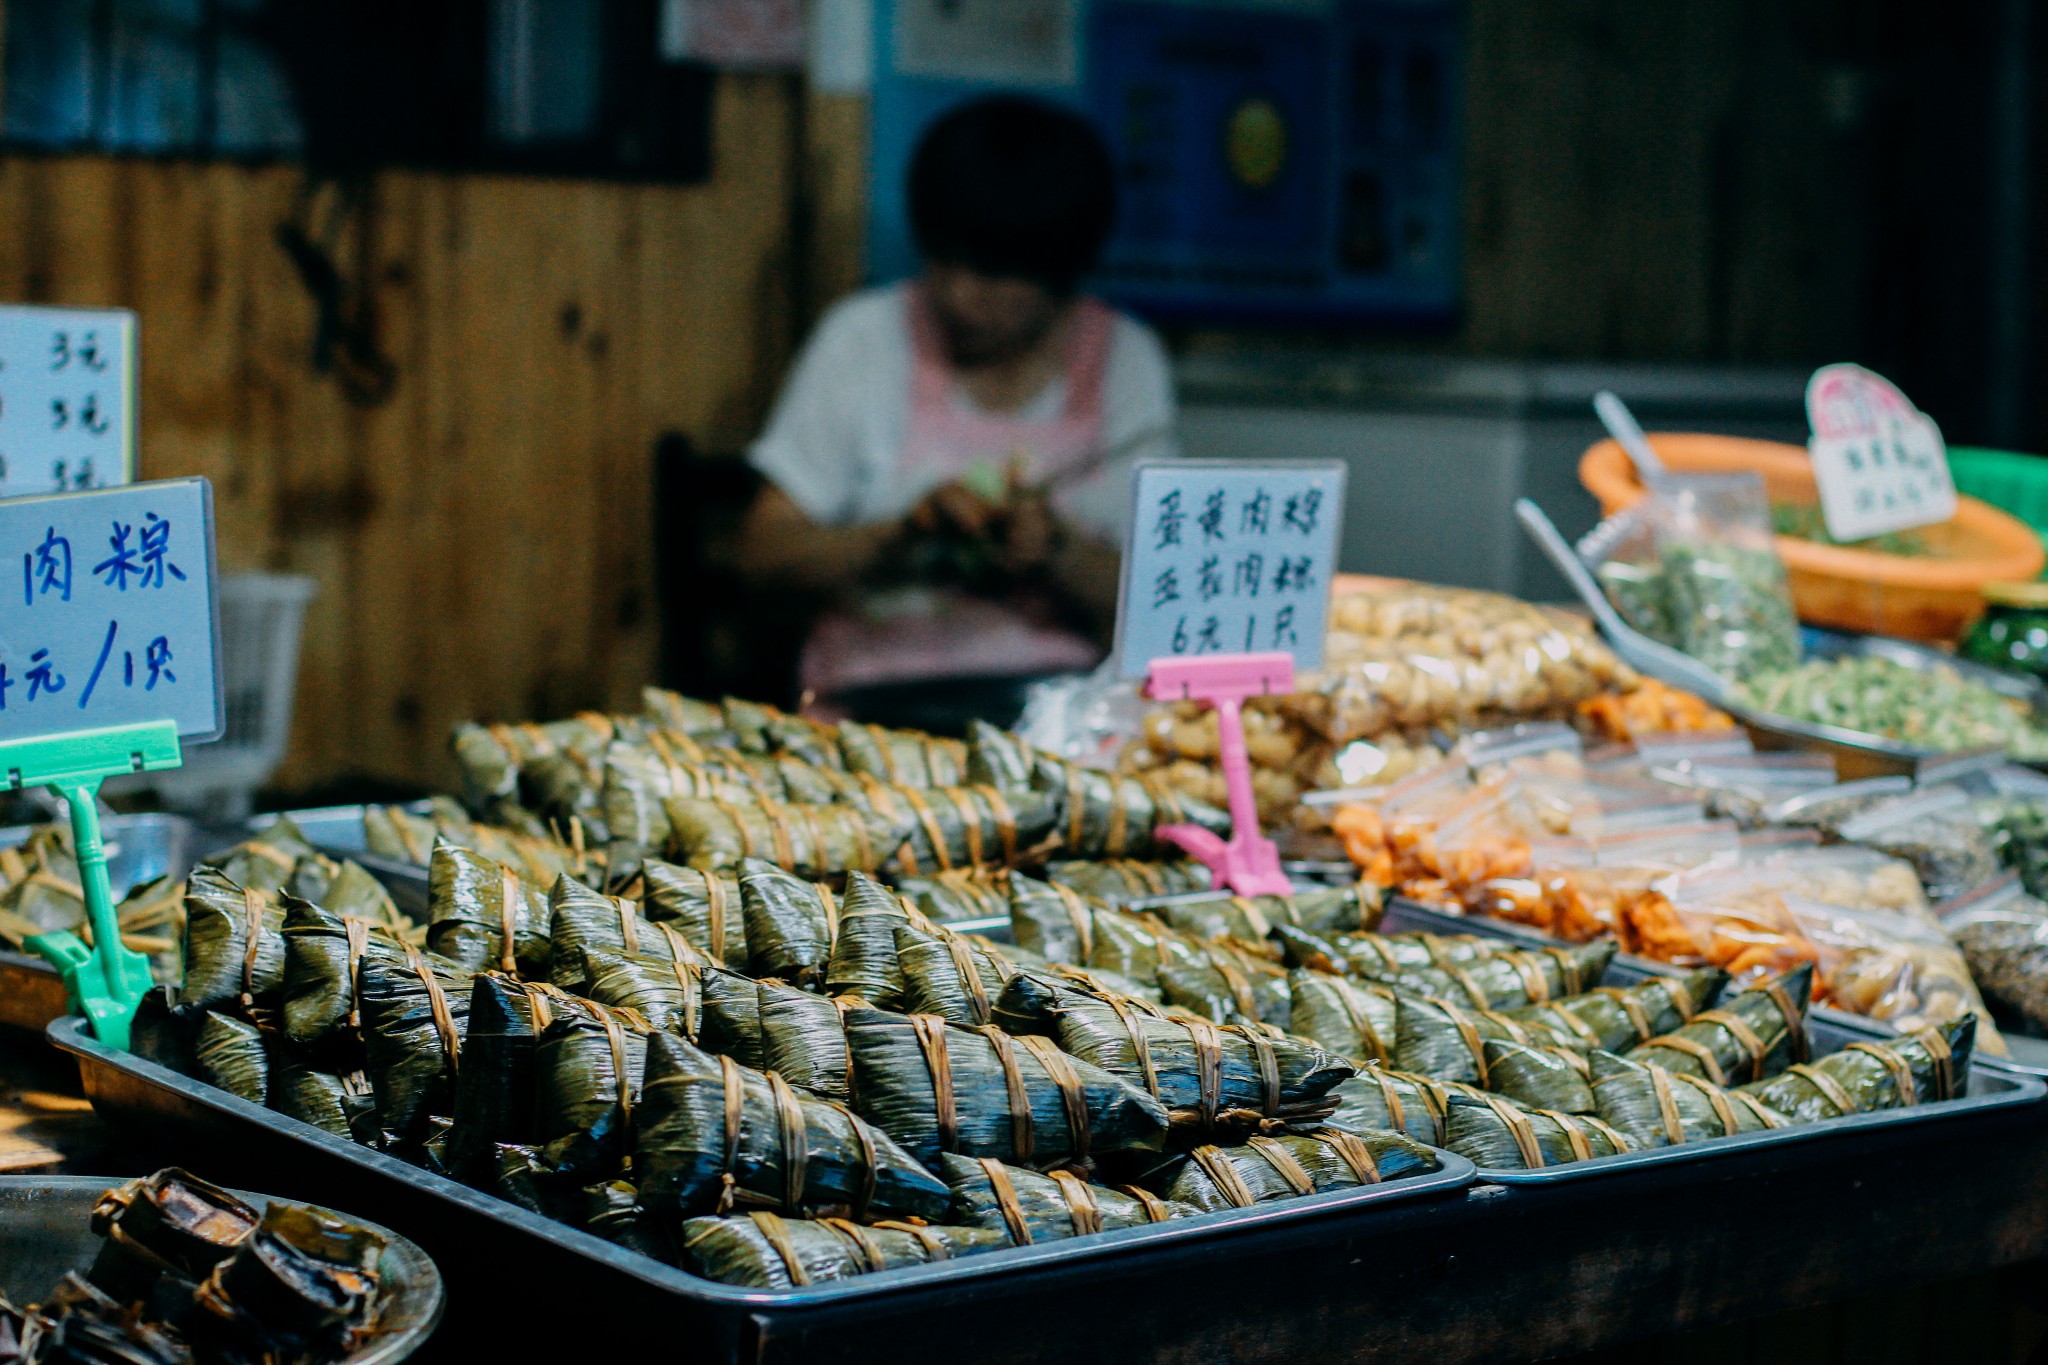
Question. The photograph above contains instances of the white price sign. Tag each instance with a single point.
(1880, 462)
(110, 618)
(1228, 557)
(67, 380)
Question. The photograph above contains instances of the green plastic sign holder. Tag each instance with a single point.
(107, 980)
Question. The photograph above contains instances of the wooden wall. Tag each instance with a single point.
(1661, 182)
(481, 540)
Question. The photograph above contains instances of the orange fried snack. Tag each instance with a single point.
(1364, 836)
(1651, 708)
(1652, 927)
(1741, 945)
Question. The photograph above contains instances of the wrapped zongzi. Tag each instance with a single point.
(414, 1014)
(1892, 1073)
(808, 840)
(1031, 1207)
(234, 944)
(580, 918)
(1114, 881)
(1296, 1164)
(767, 1251)
(323, 957)
(937, 1088)
(483, 915)
(589, 1074)
(1751, 1034)
(1205, 1073)
(1613, 1017)
(1654, 1107)
(1354, 1019)
(712, 1135)
(704, 907)
(791, 924)
(333, 1102)
(964, 893)
(497, 1091)
(1378, 1098)
(234, 1056)
(1498, 1134)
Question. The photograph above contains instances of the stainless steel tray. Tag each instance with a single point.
(1994, 1082)
(1989, 1088)
(46, 1229)
(338, 832)
(140, 848)
(1862, 755)
(484, 1244)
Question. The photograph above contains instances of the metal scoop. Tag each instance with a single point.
(1660, 661)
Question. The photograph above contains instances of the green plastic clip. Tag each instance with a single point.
(108, 980)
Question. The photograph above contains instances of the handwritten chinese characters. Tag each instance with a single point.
(112, 620)
(1879, 461)
(65, 381)
(1229, 559)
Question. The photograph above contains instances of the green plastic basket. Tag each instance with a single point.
(2006, 479)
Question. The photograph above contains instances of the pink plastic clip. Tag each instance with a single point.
(1249, 864)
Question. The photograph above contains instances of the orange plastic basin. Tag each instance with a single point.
(1917, 598)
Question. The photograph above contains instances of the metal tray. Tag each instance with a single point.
(140, 848)
(1990, 1087)
(338, 832)
(46, 1229)
(483, 1244)
(1994, 1082)
(1862, 755)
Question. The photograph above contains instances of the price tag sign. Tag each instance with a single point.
(1880, 462)
(107, 611)
(1228, 557)
(67, 384)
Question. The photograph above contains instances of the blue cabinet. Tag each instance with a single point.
(1288, 161)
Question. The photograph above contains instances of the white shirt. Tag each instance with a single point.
(835, 440)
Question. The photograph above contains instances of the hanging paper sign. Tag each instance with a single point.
(1228, 557)
(67, 383)
(107, 611)
(1880, 462)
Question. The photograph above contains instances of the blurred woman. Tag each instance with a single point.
(951, 454)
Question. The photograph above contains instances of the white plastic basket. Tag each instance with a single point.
(260, 618)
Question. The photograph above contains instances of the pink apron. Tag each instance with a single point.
(928, 633)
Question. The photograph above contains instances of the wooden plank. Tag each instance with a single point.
(835, 191)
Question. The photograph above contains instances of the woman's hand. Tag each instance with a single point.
(1030, 532)
(955, 506)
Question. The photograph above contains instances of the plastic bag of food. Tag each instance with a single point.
(1744, 786)
(1729, 600)
(1734, 918)
(1937, 830)
(1842, 874)
(1415, 655)
(2003, 932)
(1547, 746)
(1386, 831)
(1085, 717)
(1695, 566)
(1828, 808)
(1580, 887)
(2011, 803)
(1622, 554)
(1897, 967)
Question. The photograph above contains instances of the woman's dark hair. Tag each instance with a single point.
(1015, 187)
